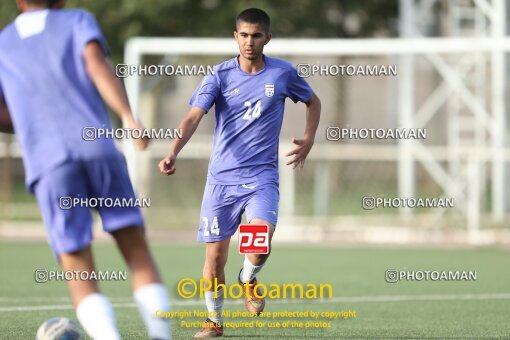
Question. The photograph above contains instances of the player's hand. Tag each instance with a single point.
(140, 143)
(167, 165)
(303, 147)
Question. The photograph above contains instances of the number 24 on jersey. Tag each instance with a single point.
(252, 111)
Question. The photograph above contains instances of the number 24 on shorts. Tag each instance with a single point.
(214, 228)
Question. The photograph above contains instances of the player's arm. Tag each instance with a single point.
(112, 91)
(303, 146)
(5, 118)
(188, 127)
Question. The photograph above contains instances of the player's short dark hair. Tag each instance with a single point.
(47, 3)
(254, 16)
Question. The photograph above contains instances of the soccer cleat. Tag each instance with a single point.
(211, 329)
(253, 304)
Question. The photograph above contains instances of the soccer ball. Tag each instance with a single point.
(59, 329)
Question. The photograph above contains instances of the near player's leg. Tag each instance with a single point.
(110, 178)
(258, 260)
(93, 309)
(69, 231)
(133, 246)
(253, 264)
(149, 293)
(216, 255)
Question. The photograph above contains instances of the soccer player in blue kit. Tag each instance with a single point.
(53, 76)
(249, 92)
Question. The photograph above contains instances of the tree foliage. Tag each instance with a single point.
(122, 19)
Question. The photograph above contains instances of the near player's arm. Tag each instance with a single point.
(5, 117)
(187, 127)
(303, 146)
(112, 91)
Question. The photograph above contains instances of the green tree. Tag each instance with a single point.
(122, 19)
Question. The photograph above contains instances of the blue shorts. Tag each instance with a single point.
(223, 206)
(70, 229)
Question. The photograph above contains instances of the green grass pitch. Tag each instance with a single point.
(403, 310)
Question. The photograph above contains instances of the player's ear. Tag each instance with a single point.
(268, 38)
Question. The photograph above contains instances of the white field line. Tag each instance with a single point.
(351, 299)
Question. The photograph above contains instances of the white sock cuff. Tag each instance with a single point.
(153, 294)
(214, 304)
(249, 270)
(97, 317)
(248, 263)
(92, 300)
(151, 298)
(212, 293)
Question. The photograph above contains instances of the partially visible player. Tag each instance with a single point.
(53, 73)
(5, 118)
(249, 93)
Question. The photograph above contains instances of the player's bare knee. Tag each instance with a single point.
(216, 260)
(261, 221)
(217, 252)
(130, 235)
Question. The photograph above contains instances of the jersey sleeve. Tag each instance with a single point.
(206, 93)
(86, 30)
(297, 88)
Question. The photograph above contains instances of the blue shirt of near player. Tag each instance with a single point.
(249, 115)
(45, 84)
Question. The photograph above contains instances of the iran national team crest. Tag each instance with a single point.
(269, 89)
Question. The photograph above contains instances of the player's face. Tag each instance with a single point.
(251, 39)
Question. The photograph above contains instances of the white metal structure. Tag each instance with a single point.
(473, 119)
(409, 152)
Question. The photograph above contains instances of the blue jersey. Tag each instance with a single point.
(48, 92)
(249, 114)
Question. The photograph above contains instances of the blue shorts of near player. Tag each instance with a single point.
(223, 206)
(70, 230)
